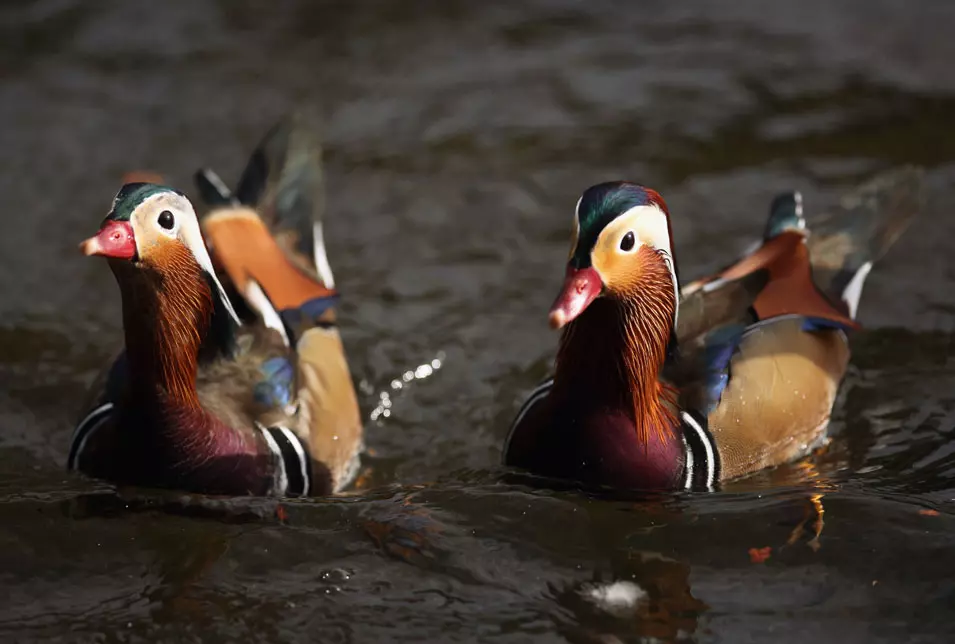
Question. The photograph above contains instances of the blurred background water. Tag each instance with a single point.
(458, 138)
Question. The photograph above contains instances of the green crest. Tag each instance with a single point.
(131, 195)
(601, 204)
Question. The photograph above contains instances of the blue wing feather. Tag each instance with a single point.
(276, 388)
(822, 324)
(719, 345)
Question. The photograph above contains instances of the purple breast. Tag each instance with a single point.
(598, 446)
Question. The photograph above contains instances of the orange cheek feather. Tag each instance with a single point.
(623, 273)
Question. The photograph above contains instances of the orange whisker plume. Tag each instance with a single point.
(647, 324)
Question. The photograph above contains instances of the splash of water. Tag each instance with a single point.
(421, 372)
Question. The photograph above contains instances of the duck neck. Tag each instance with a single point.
(167, 313)
(612, 355)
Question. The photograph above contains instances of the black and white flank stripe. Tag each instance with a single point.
(86, 427)
(540, 392)
(702, 470)
(293, 473)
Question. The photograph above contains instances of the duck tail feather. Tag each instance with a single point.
(213, 189)
(785, 214)
(845, 245)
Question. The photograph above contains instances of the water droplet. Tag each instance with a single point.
(423, 371)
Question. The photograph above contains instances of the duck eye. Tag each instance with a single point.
(627, 242)
(166, 220)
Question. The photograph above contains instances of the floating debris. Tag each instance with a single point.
(760, 555)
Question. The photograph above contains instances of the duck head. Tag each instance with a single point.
(153, 229)
(622, 249)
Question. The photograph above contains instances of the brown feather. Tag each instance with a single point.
(648, 326)
(617, 347)
(167, 309)
(778, 402)
(701, 311)
(244, 248)
(790, 289)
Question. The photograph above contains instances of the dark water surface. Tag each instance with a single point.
(459, 135)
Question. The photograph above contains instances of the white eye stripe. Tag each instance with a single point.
(576, 237)
(650, 227)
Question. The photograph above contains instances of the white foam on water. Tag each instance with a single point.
(616, 597)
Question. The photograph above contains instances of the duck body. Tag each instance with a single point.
(199, 400)
(657, 387)
(152, 422)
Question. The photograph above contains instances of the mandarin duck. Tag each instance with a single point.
(199, 400)
(658, 388)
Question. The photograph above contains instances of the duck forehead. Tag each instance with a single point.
(131, 197)
(602, 205)
(168, 199)
(165, 200)
(605, 201)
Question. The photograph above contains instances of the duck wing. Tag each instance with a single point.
(283, 182)
(267, 239)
